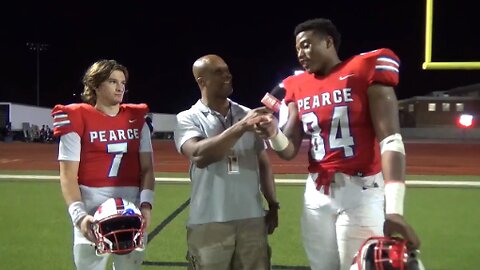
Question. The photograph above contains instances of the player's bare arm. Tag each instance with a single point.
(146, 171)
(205, 151)
(72, 196)
(384, 113)
(68, 181)
(147, 179)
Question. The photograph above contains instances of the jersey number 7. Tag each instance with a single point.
(117, 149)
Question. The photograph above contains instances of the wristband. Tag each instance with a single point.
(394, 196)
(274, 205)
(146, 196)
(77, 212)
(279, 141)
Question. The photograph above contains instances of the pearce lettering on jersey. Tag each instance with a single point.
(324, 99)
(114, 135)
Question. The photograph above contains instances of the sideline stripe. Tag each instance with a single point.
(413, 183)
(184, 264)
(167, 220)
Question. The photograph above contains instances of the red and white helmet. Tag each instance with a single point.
(386, 253)
(118, 227)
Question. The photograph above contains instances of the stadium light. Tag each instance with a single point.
(37, 47)
(465, 121)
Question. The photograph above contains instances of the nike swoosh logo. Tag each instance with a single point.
(132, 120)
(346, 76)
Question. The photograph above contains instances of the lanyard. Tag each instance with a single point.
(229, 115)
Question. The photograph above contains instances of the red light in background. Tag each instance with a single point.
(465, 121)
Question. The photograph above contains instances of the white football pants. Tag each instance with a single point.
(334, 226)
(86, 259)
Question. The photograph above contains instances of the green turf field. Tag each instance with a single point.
(35, 232)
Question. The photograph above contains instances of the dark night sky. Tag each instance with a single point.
(158, 44)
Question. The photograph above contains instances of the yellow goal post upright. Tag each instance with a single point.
(428, 64)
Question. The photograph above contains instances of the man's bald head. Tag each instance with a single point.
(206, 63)
(213, 76)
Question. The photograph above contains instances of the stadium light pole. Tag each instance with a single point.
(37, 47)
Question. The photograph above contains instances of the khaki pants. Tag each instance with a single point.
(233, 245)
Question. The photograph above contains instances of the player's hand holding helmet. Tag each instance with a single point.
(118, 227)
(386, 253)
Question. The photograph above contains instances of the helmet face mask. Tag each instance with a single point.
(118, 228)
(386, 253)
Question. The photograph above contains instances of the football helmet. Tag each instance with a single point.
(118, 227)
(386, 253)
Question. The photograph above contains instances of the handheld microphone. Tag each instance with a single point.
(271, 102)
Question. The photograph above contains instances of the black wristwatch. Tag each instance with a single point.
(274, 205)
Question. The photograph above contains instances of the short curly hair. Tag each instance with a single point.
(320, 26)
(96, 74)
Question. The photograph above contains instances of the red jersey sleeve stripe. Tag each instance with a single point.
(61, 123)
(60, 115)
(386, 68)
(384, 60)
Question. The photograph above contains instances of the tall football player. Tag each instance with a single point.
(355, 188)
(105, 152)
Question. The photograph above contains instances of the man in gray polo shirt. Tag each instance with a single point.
(227, 226)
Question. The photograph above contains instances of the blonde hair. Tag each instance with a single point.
(96, 74)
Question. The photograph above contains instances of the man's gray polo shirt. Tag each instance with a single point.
(217, 195)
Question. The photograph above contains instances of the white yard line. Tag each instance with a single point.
(414, 183)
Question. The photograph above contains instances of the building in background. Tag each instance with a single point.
(440, 109)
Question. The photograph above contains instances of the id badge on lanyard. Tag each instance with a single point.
(232, 157)
(232, 162)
